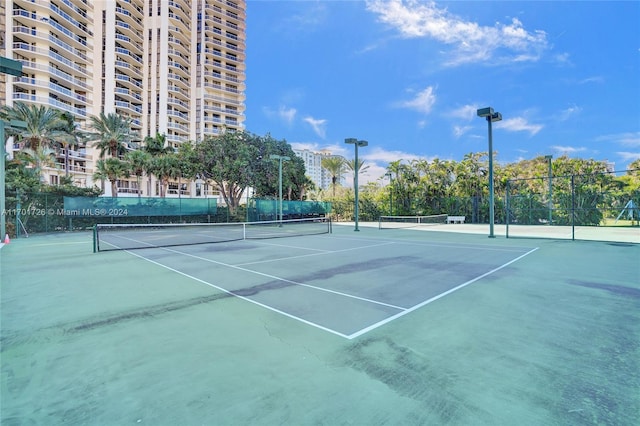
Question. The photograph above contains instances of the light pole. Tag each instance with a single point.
(549, 157)
(357, 144)
(280, 159)
(491, 118)
(390, 176)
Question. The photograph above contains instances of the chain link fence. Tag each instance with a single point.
(574, 200)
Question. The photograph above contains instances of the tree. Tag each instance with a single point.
(165, 167)
(42, 124)
(68, 137)
(112, 134)
(403, 187)
(360, 167)
(37, 159)
(139, 162)
(238, 160)
(335, 166)
(111, 169)
(157, 145)
(230, 160)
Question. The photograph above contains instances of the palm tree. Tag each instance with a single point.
(111, 169)
(157, 145)
(335, 167)
(69, 137)
(166, 166)
(351, 165)
(360, 167)
(139, 162)
(37, 159)
(42, 124)
(112, 134)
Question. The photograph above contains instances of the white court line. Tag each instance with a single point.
(438, 244)
(312, 254)
(441, 295)
(403, 311)
(289, 246)
(59, 244)
(273, 277)
(240, 297)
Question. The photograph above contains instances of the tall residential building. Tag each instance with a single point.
(173, 67)
(314, 169)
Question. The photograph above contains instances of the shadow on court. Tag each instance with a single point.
(369, 327)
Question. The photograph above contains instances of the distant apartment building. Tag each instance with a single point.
(173, 67)
(314, 169)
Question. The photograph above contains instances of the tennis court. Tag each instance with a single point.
(396, 326)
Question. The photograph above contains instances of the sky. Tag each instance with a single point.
(409, 76)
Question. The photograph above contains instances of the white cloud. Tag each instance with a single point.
(309, 18)
(283, 113)
(569, 112)
(595, 79)
(458, 131)
(317, 125)
(563, 58)
(629, 156)
(471, 42)
(568, 150)
(287, 114)
(381, 155)
(465, 112)
(519, 124)
(423, 102)
(627, 139)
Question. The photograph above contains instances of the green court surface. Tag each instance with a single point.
(376, 327)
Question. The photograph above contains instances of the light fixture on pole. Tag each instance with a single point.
(356, 171)
(390, 176)
(280, 159)
(548, 158)
(491, 118)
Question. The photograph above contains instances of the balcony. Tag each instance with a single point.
(127, 68)
(74, 22)
(131, 108)
(124, 92)
(78, 13)
(75, 155)
(128, 80)
(175, 101)
(72, 50)
(178, 114)
(126, 16)
(181, 20)
(130, 54)
(127, 42)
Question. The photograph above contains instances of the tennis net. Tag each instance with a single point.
(108, 237)
(395, 222)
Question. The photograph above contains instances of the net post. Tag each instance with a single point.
(95, 238)
(330, 225)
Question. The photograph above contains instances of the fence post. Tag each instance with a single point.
(18, 207)
(573, 208)
(507, 219)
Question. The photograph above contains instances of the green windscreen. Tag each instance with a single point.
(138, 206)
(269, 209)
